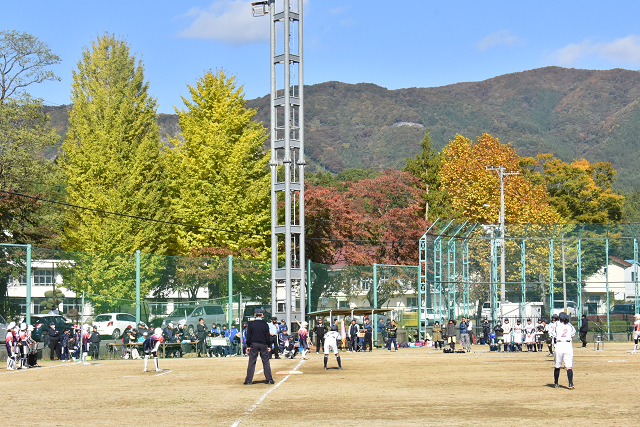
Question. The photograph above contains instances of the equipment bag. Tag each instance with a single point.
(32, 359)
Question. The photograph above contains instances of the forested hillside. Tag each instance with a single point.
(568, 112)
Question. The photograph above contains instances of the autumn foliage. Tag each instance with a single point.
(474, 191)
(374, 220)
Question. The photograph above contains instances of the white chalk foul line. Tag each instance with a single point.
(264, 396)
(37, 368)
(156, 375)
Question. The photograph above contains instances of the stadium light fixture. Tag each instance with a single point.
(259, 8)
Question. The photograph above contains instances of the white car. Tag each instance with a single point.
(114, 324)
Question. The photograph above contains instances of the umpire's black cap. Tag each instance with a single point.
(258, 311)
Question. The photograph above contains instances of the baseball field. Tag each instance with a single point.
(411, 387)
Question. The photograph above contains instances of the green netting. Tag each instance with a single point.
(459, 267)
(351, 286)
(107, 283)
(594, 264)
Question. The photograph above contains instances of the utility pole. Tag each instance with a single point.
(564, 278)
(502, 174)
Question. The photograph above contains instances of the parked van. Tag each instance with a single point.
(250, 308)
(623, 309)
(189, 316)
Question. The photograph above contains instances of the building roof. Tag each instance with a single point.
(620, 261)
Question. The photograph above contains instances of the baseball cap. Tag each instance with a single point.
(258, 311)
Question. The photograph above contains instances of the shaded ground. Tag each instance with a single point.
(418, 386)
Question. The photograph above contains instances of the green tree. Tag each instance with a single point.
(631, 207)
(219, 171)
(111, 156)
(582, 191)
(24, 60)
(24, 135)
(426, 167)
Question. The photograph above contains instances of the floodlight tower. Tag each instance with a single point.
(287, 157)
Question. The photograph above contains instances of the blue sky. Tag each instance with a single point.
(395, 44)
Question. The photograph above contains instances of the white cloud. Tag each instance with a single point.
(502, 37)
(228, 21)
(625, 51)
(338, 10)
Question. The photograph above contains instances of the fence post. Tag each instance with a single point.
(28, 304)
(551, 278)
(635, 272)
(230, 309)
(375, 302)
(308, 286)
(606, 275)
(138, 287)
(579, 274)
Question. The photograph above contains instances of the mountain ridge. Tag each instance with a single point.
(570, 113)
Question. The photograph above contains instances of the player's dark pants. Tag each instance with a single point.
(353, 343)
(55, 349)
(263, 350)
(391, 341)
(319, 343)
(200, 346)
(367, 339)
(94, 350)
(274, 345)
(583, 338)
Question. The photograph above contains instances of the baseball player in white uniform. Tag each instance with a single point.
(636, 332)
(551, 328)
(331, 343)
(530, 335)
(506, 335)
(564, 332)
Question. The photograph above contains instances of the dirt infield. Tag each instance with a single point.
(417, 386)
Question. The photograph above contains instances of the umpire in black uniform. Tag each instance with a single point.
(258, 340)
(584, 329)
(319, 331)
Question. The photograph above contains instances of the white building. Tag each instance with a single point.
(46, 273)
(621, 282)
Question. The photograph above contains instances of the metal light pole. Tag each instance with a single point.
(491, 230)
(287, 155)
(502, 174)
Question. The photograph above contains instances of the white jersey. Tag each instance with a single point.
(331, 342)
(506, 329)
(529, 330)
(636, 329)
(332, 336)
(552, 329)
(564, 333)
(517, 333)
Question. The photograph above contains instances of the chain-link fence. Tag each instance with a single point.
(461, 271)
(150, 288)
(534, 271)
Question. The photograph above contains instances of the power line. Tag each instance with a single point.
(102, 211)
